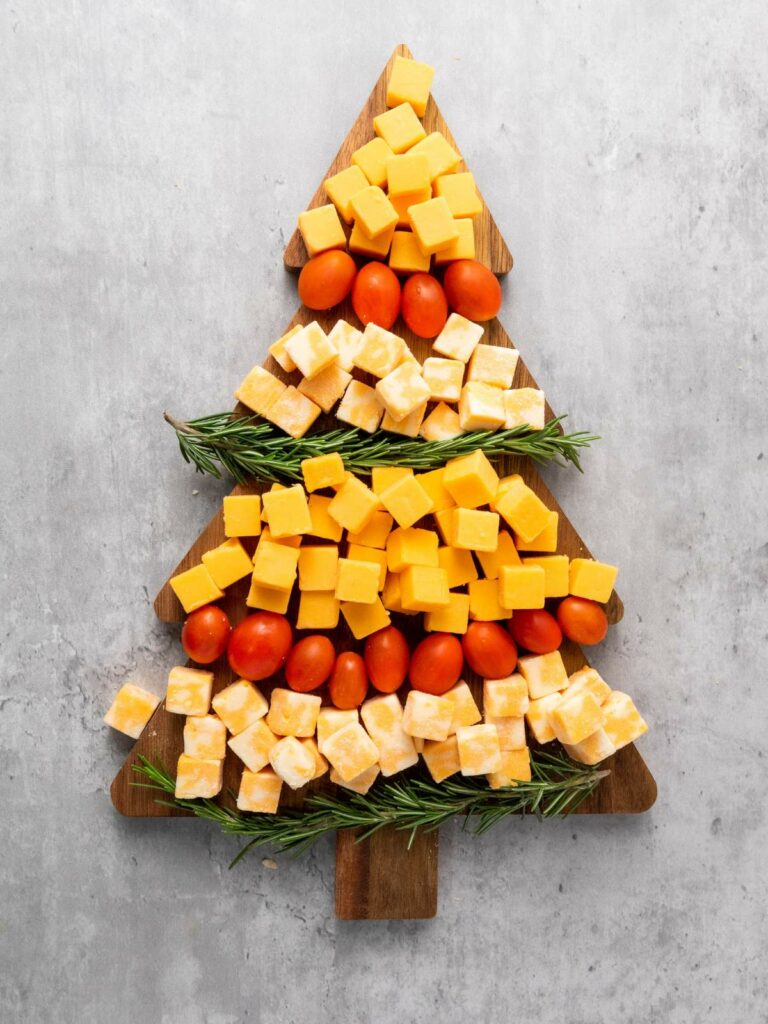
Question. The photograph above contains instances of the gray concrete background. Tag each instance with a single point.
(153, 159)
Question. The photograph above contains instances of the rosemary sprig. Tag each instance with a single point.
(414, 804)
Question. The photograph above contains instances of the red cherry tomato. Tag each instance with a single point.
(472, 290)
(582, 621)
(436, 663)
(259, 645)
(309, 663)
(349, 681)
(326, 279)
(205, 633)
(489, 650)
(536, 630)
(386, 659)
(425, 307)
(376, 295)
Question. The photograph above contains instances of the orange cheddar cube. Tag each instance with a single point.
(321, 229)
(545, 541)
(471, 480)
(353, 505)
(341, 187)
(323, 524)
(364, 619)
(433, 225)
(361, 553)
(318, 567)
(523, 510)
(267, 599)
(462, 247)
(453, 618)
(274, 565)
(459, 566)
(402, 204)
(484, 604)
(322, 471)
(522, 586)
(287, 512)
(195, 587)
(409, 82)
(372, 161)
(433, 484)
(423, 589)
(357, 581)
(442, 157)
(363, 244)
(227, 563)
(460, 192)
(405, 256)
(406, 501)
(373, 212)
(474, 530)
(375, 534)
(411, 546)
(407, 174)
(505, 554)
(318, 610)
(591, 579)
(555, 573)
(242, 515)
(399, 127)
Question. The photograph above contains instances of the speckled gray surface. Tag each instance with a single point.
(154, 157)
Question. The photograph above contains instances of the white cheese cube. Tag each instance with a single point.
(205, 736)
(492, 364)
(444, 377)
(360, 407)
(321, 765)
(293, 714)
(409, 426)
(442, 424)
(259, 792)
(292, 762)
(189, 691)
(623, 722)
(524, 407)
(254, 745)
(380, 351)
(239, 705)
(537, 717)
(346, 339)
(481, 407)
(504, 698)
(465, 710)
(198, 777)
(131, 709)
(402, 391)
(575, 717)
(591, 680)
(593, 749)
(442, 758)
(544, 673)
(351, 751)
(427, 715)
(511, 731)
(361, 783)
(330, 720)
(479, 750)
(458, 338)
(311, 350)
(383, 718)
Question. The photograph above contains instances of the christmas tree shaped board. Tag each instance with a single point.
(380, 878)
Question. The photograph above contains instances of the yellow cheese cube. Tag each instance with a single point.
(373, 211)
(259, 792)
(407, 174)
(458, 338)
(555, 573)
(326, 387)
(131, 709)
(292, 762)
(383, 477)
(279, 352)
(195, 587)
(406, 500)
(323, 525)
(253, 745)
(341, 187)
(198, 777)
(322, 471)
(441, 424)
(537, 717)
(361, 783)
(444, 378)
(287, 511)
(544, 541)
(460, 192)
(411, 546)
(260, 390)
(362, 243)
(424, 589)
(409, 82)
(311, 350)
(459, 566)
(593, 749)
(484, 603)
(274, 565)
(360, 553)
(375, 534)
(442, 759)
(524, 407)
(399, 127)
(372, 161)
(364, 619)
(227, 563)
(390, 596)
(293, 412)
(505, 698)
(591, 579)
(481, 407)
(383, 718)
(453, 618)
(511, 731)
(622, 721)
(346, 340)
(205, 736)
(433, 225)
(268, 600)
(544, 673)
(443, 158)
(357, 581)
(515, 767)
(402, 204)
(471, 480)
(264, 513)
(350, 751)
(242, 515)
(318, 610)
(522, 586)
(505, 554)
(189, 691)
(239, 705)
(403, 390)
(525, 512)
(353, 505)
(588, 679)
(321, 229)
(492, 364)
(405, 256)
(434, 485)
(474, 530)
(575, 717)
(318, 567)
(465, 710)
(479, 750)
(380, 351)
(330, 720)
(267, 538)
(293, 714)
(360, 407)
(463, 246)
(427, 716)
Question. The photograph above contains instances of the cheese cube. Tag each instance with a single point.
(294, 763)
(372, 161)
(353, 505)
(484, 603)
(254, 745)
(242, 515)
(474, 530)
(131, 709)
(383, 477)
(198, 777)
(593, 749)
(433, 224)
(288, 512)
(442, 758)
(465, 710)
(239, 705)
(427, 715)
(453, 618)
(515, 767)
(481, 407)
(433, 484)
(462, 247)
(293, 412)
(591, 579)
(323, 525)
(372, 211)
(318, 610)
(537, 717)
(522, 586)
(274, 565)
(441, 424)
(544, 541)
(511, 731)
(471, 480)
(360, 553)
(407, 174)
(411, 546)
(555, 573)
(259, 792)
(377, 248)
(189, 691)
(423, 589)
(390, 596)
(330, 720)
(357, 581)
(443, 158)
(623, 722)
(405, 256)
(525, 512)
(460, 192)
(383, 718)
(408, 426)
(350, 751)
(590, 680)
(346, 340)
(458, 338)
(264, 513)
(227, 563)
(409, 82)
(321, 229)
(318, 567)
(444, 378)
(375, 534)
(195, 587)
(406, 500)
(402, 204)
(360, 407)
(278, 350)
(268, 600)
(260, 390)
(361, 783)
(575, 717)
(479, 750)
(364, 619)
(399, 127)
(493, 365)
(205, 736)
(380, 351)
(311, 350)
(505, 698)
(322, 471)
(403, 390)
(544, 673)
(459, 566)
(341, 187)
(524, 407)
(505, 554)
(293, 714)
(326, 387)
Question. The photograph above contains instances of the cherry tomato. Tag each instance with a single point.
(436, 663)
(205, 633)
(582, 621)
(376, 295)
(489, 650)
(326, 279)
(259, 645)
(425, 307)
(536, 630)
(309, 663)
(386, 659)
(349, 681)
(472, 290)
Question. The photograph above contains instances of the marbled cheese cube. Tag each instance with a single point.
(278, 352)
(505, 554)
(239, 705)
(330, 720)
(254, 745)
(484, 603)
(318, 610)
(522, 509)
(461, 193)
(406, 501)
(293, 762)
(424, 589)
(375, 534)
(198, 777)
(360, 553)
(383, 718)
(350, 751)
(402, 391)
(318, 567)
(544, 673)
(268, 600)
(537, 717)
(321, 229)
(593, 749)
(364, 619)
(453, 618)
(372, 161)
(506, 697)
(353, 505)
(274, 565)
(411, 546)
(380, 351)
(522, 586)
(131, 709)
(311, 350)
(465, 710)
(443, 158)
(293, 412)
(242, 515)
(341, 187)
(357, 581)
(409, 426)
(399, 127)
(459, 566)
(427, 716)
(575, 717)
(322, 471)
(544, 541)
(555, 573)
(462, 247)
(442, 758)
(227, 563)
(524, 407)
(293, 714)
(475, 530)
(189, 691)
(591, 579)
(622, 721)
(259, 792)
(511, 731)
(361, 783)
(195, 587)
(481, 407)
(326, 387)
(409, 82)
(323, 523)
(360, 407)
(444, 378)
(590, 680)
(260, 390)
(479, 750)
(442, 424)
(515, 767)
(205, 736)
(458, 338)
(346, 339)
(492, 364)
